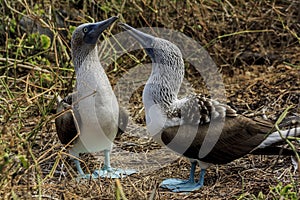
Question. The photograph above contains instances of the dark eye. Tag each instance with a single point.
(85, 29)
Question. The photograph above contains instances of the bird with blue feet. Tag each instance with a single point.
(94, 121)
(202, 129)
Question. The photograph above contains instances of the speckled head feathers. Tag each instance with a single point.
(167, 68)
(160, 50)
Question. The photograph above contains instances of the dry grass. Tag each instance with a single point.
(255, 44)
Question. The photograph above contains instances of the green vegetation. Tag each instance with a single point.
(35, 65)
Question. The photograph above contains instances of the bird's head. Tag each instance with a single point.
(85, 36)
(161, 51)
(167, 68)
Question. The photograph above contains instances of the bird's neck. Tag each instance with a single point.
(163, 85)
(90, 74)
(82, 57)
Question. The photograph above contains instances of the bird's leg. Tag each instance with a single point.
(78, 167)
(179, 185)
(192, 172)
(107, 160)
(174, 182)
(80, 171)
(201, 178)
(109, 172)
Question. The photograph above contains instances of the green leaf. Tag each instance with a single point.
(46, 77)
(45, 41)
(260, 195)
(13, 25)
(24, 161)
(72, 28)
(105, 8)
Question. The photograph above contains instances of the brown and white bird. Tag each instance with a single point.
(203, 130)
(65, 122)
(95, 107)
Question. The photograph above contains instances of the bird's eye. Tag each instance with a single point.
(85, 29)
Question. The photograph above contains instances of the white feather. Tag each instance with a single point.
(277, 137)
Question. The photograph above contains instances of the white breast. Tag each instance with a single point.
(96, 111)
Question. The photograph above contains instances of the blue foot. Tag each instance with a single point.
(179, 185)
(86, 176)
(112, 172)
(172, 182)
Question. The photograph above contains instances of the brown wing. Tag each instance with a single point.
(65, 125)
(123, 121)
(229, 137)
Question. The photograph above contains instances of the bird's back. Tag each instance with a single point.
(220, 141)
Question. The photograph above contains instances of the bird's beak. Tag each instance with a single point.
(98, 28)
(144, 39)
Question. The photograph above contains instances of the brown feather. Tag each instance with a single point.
(239, 136)
(65, 125)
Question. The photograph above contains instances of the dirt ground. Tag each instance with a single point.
(255, 46)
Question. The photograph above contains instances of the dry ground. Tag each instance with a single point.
(255, 46)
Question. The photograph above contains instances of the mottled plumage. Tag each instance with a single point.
(202, 129)
(197, 109)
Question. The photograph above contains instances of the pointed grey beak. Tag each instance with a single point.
(144, 39)
(97, 29)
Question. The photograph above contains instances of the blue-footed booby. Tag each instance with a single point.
(204, 130)
(95, 107)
